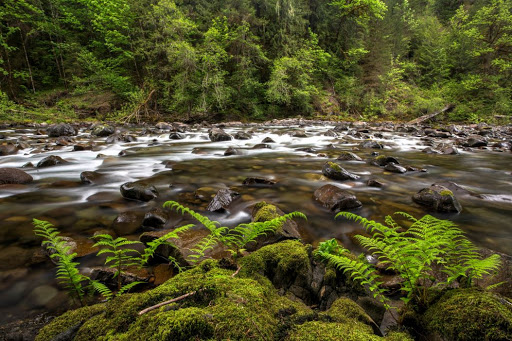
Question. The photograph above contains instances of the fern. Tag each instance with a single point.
(150, 250)
(67, 270)
(121, 257)
(102, 289)
(416, 254)
(234, 239)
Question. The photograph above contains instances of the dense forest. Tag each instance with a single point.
(258, 59)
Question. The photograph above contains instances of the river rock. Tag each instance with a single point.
(331, 133)
(336, 172)
(155, 218)
(371, 144)
(81, 147)
(89, 177)
(51, 160)
(8, 149)
(268, 140)
(475, 141)
(232, 151)
(61, 129)
(176, 136)
(264, 211)
(262, 146)
(258, 182)
(437, 198)
(10, 176)
(103, 130)
(394, 168)
(374, 183)
(163, 125)
(299, 133)
(109, 278)
(138, 191)
(127, 223)
(335, 198)
(348, 156)
(64, 141)
(383, 160)
(222, 200)
(242, 136)
(217, 134)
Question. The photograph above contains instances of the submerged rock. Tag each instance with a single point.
(51, 160)
(258, 182)
(89, 177)
(138, 191)
(8, 149)
(336, 172)
(14, 176)
(155, 218)
(336, 199)
(348, 156)
(437, 198)
(222, 200)
(383, 160)
(394, 168)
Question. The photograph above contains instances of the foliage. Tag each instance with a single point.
(235, 239)
(420, 254)
(67, 270)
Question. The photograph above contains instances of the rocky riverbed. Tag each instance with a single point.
(98, 178)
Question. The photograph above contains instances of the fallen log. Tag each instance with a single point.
(427, 117)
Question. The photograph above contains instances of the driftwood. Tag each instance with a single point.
(427, 117)
(143, 106)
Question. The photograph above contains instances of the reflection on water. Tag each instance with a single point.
(180, 167)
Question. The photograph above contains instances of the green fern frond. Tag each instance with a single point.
(102, 289)
(128, 287)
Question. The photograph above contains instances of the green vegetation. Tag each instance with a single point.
(199, 59)
(419, 254)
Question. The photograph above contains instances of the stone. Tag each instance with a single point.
(299, 133)
(374, 183)
(81, 147)
(89, 177)
(8, 149)
(336, 172)
(348, 156)
(336, 199)
(383, 160)
(103, 130)
(437, 198)
(127, 223)
(232, 151)
(51, 160)
(217, 134)
(222, 200)
(258, 182)
(262, 146)
(138, 191)
(394, 168)
(10, 176)
(61, 129)
(155, 218)
(475, 141)
(242, 136)
(371, 144)
(268, 140)
(176, 136)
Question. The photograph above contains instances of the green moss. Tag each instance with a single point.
(325, 331)
(344, 310)
(470, 314)
(289, 257)
(69, 320)
(334, 166)
(446, 192)
(381, 157)
(265, 212)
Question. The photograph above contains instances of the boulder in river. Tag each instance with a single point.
(475, 141)
(155, 218)
(336, 172)
(268, 140)
(371, 144)
(437, 198)
(258, 182)
(127, 223)
(89, 177)
(51, 160)
(138, 191)
(348, 156)
(103, 130)
(176, 136)
(335, 198)
(217, 134)
(14, 176)
(8, 149)
(383, 160)
(243, 136)
(222, 200)
(232, 151)
(61, 129)
(394, 168)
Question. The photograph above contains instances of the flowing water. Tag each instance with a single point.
(179, 168)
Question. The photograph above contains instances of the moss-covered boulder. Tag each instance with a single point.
(470, 314)
(334, 171)
(223, 307)
(437, 198)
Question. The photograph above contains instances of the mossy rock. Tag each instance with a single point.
(224, 307)
(470, 314)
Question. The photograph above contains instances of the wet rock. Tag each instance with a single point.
(14, 176)
(155, 218)
(242, 136)
(455, 188)
(138, 191)
(232, 151)
(217, 134)
(430, 150)
(258, 182)
(448, 150)
(336, 172)
(262, 146)
(8, 149)
(114, 138)
(415, 169)
(89, 177)
(394, 168)
(176, 136)
(264, 211)
(51, 160)
(28, 165)
(299, 133)
(268, 140)
(383, 160)
(81, 147)
(108, 277)
(127, 223)
(475, 141)
(22, 145)
(437, 198)
(129, 138)
(163, 125)
(374, 183)
(64, 141)
(335, 198)
(371, 144)
(68, 242)
(348, 156)
(331, 133)
(61, 129)
(12, 257)
(222, 200)
(103, 130)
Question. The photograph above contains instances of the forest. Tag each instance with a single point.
(253, 60)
